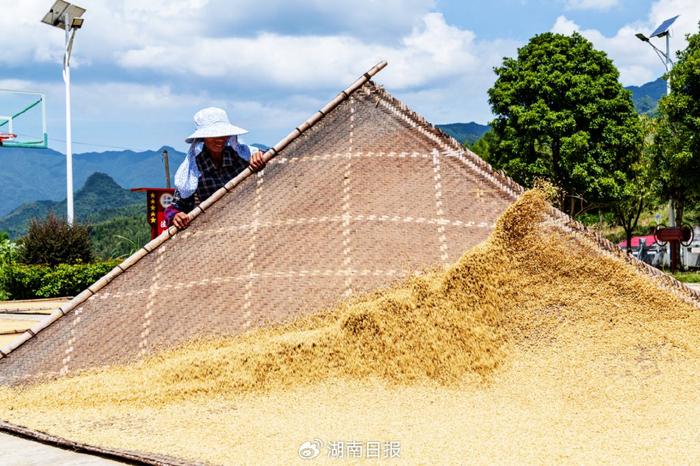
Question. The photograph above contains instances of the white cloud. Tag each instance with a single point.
(112, 28)
(190, 53)
(563, 25)
(432, 51)
(24, 38)
(591, 4)
(272, 63)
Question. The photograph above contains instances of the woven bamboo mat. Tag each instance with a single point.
(368, 194)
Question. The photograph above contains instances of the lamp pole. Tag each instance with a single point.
(69, 134)
(68, 18)
(664, 29)
(668, 64)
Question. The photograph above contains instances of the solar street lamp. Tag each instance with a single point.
(68, 17)
(664, 30)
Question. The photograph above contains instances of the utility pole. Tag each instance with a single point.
(167, 168)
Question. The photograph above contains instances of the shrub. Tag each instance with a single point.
(8, 255)
(8, 251)
(52, 241)
(21, 281)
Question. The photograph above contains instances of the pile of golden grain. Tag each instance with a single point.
(530, 288)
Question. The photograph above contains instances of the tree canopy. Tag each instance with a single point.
(562, 115)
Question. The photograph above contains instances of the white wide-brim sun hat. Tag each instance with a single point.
(213, 122)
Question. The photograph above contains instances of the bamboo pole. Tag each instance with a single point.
(110, 453)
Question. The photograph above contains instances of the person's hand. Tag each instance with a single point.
(181, 220)
(257, 162)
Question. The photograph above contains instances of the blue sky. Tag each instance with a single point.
(142, 68)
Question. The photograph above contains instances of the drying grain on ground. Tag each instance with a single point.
(536, 347)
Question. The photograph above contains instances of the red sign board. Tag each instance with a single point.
(157, 200)
(674, 234)
(669, 234)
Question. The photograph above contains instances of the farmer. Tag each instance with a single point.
(215, 157)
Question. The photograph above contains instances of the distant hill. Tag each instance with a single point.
(40, 174)
(465, 132)
(646, 97)
(99, 200)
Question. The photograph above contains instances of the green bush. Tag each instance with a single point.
(52, 241)
(8, 251)
(8, 255)
(21, 281)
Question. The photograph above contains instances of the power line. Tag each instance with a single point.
(91, 144)
(80, 143)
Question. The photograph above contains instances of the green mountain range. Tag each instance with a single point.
(646, 97)
(40, 174)
(465, 132)
(100, 199)
(116, 216)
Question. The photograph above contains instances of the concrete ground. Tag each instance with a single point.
(16, 451)
(20, 315)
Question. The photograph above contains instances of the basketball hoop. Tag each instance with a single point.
(6, 137)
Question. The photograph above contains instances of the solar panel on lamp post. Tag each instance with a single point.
(664, 29)
(67, 17)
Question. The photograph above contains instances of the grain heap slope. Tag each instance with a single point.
(569, 340)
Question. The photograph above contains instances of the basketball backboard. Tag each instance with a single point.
(23, 119)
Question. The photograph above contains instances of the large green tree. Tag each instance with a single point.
(677, 145)
(562, 115)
